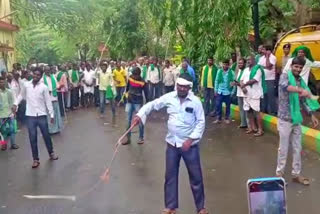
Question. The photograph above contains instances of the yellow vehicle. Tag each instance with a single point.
(308, 35)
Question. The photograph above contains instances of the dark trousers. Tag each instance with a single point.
(269, 103)
(209, 100)
(120, 91)
(168, 88)
(96, 96)
(21, 114)
(62, 99)
(192, 160)
(223, 99)
(88, 99)
(42, 123)
(154, 92)
(74, 97)
(82, 98)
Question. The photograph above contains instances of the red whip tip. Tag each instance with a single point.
(106, 176)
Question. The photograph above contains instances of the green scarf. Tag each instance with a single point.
(295, 103)
(74, 76)
(152, 69)
(230, 77)
(257, 58)
(306, 51)
(234, 66)
(241, 73)
(213, 75)
(53, 83)
(59, 76)
(253, 73)
(144, 72)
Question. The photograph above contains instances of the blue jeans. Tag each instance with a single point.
(154, 91)
(130, 109)
(192, 161)
(223, 99)
(208, 100)
(103, 103)
(42, 123)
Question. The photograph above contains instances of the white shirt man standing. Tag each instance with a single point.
(268, 62)
(39, 103)
(168, 77)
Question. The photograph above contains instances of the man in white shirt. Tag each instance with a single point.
(168, 77)
(240, 93)
(305, 53)
(39, 103)
(154, 78)
(186, 125)
(252, 84)
(268, 62)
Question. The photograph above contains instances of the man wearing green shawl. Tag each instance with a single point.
(154, 78)
(223, 89)
(294, 96)
(51, 82)
(6, 119)
(208, 76)
(305, 53)
(107, 90)
(253, 83)
(240, 92)
(74, 78)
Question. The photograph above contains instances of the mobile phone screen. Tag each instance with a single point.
(267, 196)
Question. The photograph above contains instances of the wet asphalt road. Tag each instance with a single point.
(229, 158)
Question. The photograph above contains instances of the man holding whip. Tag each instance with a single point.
(185, 128)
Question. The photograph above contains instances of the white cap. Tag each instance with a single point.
(182, 81)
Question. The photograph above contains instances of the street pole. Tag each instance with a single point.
(255, 17)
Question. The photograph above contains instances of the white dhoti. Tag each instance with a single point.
(251, 103)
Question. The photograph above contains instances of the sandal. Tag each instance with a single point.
(141, 141)
(251, 131)
(203, 211)
(4, 147)
(14, 146)
(259, 134)
(168, 211)
(301, 180)
(53, 156)
(35, 164)
(242, 127)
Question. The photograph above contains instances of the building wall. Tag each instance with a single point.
(7, 37)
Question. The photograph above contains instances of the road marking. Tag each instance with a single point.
(71, 198)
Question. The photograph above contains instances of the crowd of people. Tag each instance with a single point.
(40, 95)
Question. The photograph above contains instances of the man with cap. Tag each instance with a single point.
(305, 53)
(186, 125)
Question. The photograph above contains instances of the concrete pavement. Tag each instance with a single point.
(229, 158)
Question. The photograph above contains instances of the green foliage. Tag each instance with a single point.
(60, 29)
